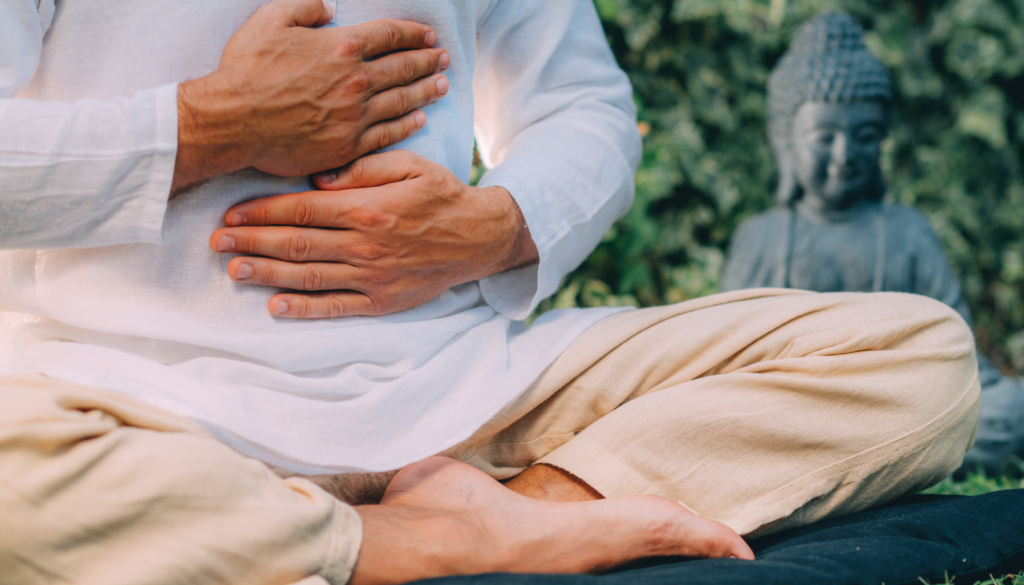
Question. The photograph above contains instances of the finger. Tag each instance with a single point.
(387, 35)
(328, 305)
(306, 276)
(308, 13)
(389, 132)
(403, 68)
(297, 244)
(398, 101)
(306, 209)
(373, 170)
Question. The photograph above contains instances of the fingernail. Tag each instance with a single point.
(237, 219)
(442, 86)
(328, 177)
(282, 307)
(244, 271)
(226, 244)
(421, 119)
(329, 9)
(444, 61)
(431, 38)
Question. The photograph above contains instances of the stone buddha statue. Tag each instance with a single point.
(830, 102)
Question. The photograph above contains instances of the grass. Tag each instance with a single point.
(1001, 580)
(976, 484)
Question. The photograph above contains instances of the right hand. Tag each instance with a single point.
(293, 100)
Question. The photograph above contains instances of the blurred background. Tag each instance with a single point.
(699, 70)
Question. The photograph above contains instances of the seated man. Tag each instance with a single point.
(374, 325)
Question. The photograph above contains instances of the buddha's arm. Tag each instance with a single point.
(748, 262)
(933, 275)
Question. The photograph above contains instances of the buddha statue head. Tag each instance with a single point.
(829, 102)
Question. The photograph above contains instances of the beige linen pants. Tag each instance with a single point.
(761, 409)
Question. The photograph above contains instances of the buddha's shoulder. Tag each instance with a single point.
(907, 217)
(766, 223)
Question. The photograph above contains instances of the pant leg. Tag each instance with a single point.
(764, 413)
(96, 488)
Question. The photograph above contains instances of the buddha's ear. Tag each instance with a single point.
(788, 191)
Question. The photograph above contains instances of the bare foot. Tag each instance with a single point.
(551, 484)
(442, 517)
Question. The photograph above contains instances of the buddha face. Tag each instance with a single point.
(835, 152)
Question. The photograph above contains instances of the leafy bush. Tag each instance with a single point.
(699, 69)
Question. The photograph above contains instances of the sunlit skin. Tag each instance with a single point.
(291, 99)
(388, 233)
(835, 153)
(442, 517)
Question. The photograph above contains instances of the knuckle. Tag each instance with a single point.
(367, 217)
(299, 247)
(301, 307)
(368, 252)
(335, 308)
(312, 277)
(358, 83)
(268, 274)
(407, 71)
(258, 215)
(384, 138)
(348, 46)
(249, 243)
(401, 102)
(305, 212)
(357, 170)
(382, 304)
(391, 33)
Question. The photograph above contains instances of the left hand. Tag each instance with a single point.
(389, 233)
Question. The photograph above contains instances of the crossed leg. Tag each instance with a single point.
(758, 413)
(97, 488)
(758, 409)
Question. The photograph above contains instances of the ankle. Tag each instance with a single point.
(552, 484)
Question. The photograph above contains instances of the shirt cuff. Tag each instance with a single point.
(516, 293)
(563, 238)
(151, 206)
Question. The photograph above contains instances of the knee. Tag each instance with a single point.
(945, 394)
(926, 327)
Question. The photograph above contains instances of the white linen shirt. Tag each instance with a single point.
(105, 283)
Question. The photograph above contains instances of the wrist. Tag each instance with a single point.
(210, 132)
(523, 250)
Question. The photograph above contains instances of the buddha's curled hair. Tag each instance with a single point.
(828, 62)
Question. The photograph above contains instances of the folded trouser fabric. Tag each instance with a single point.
(96, 488)
(761, 409)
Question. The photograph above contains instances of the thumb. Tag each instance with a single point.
(307, 13)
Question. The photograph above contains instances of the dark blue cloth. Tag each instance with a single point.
(917, 536)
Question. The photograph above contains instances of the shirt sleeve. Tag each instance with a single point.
(555, 121)
(82, 174)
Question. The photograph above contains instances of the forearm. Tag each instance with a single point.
(569, 152)
(88, 173)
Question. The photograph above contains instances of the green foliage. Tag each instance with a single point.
(976, 484)
(699, 69)
(1011, 579)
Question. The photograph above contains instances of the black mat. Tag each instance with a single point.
(917, 536)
